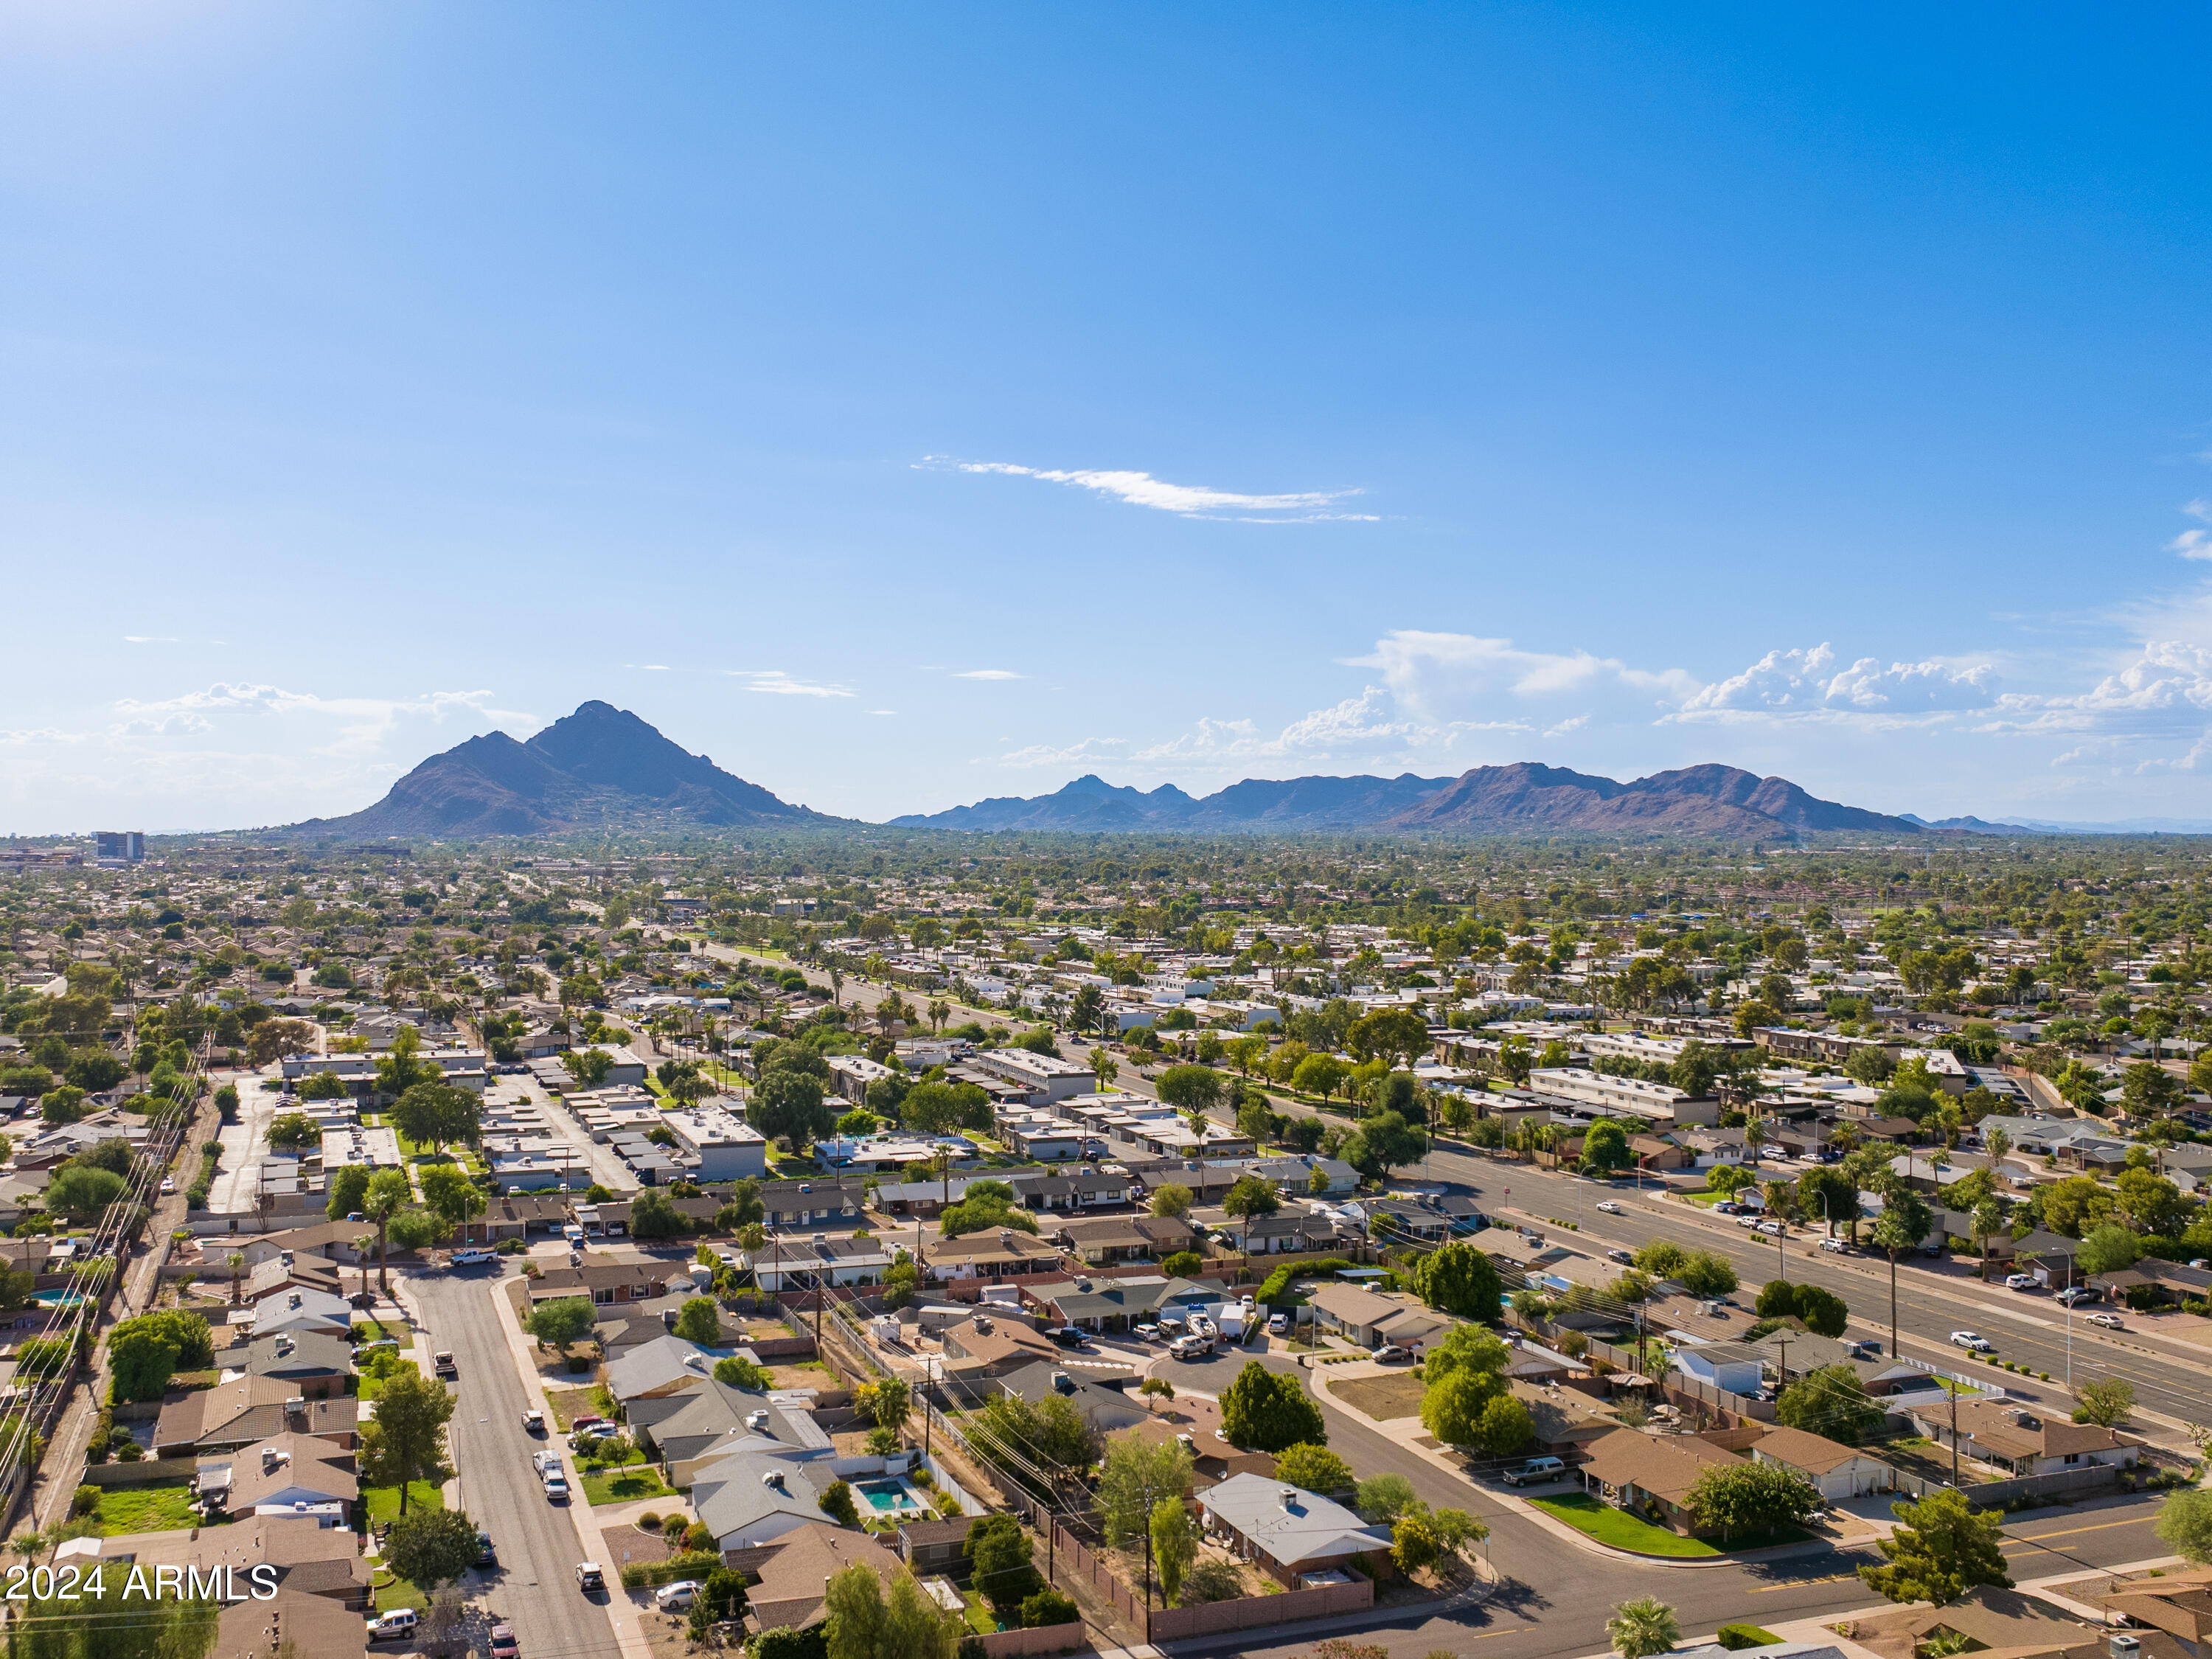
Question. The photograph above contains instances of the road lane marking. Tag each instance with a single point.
(2035, 1537)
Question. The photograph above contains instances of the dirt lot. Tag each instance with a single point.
(1382, 1397)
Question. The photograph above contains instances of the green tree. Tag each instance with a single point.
(736, 1371)
(143, 1360)
(1397, 1037)
(1460, 1280)
(1190, 1088)
(405, 1441)
(699, 1321)
(450, 1194)
(1506, 1427)
(430, 1548)
(863, 1622)
(999, 1558)
(436, 1114)
(1829, 1400)
(1741, 1499)
(1605, 1148)
(401, 1068)
(1251, 1195)
(1315, 1469)
(837, 1504)
(1175, 1546)
(1942, 1547)
(1705, 1274)
(80, 1194)
(788, 1105)
(1172, 1198)
(1383, 1143)
(1823, 1311)
(293, 1132)
(1320, 1074)
(385, 1196)
(1382, 1498)
(2105, 1402)
(1413, 1543)
(653, 1216)
(1642, 1627)
(348, 1187)
(2184, 1524)
(563, 1323)
(1136, 1477)
(2108, 1248)
(939, 1108)
(1262, 1411)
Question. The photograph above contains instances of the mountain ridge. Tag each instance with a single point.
(1527, 795)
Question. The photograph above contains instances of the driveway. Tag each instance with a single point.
(534, 1586)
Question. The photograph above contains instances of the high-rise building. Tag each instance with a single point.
(128, 844)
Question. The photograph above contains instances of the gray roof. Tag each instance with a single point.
(1108, 1408)
(309, 1353)
(693, 1423)
(734, 1496)
(649, 1367)
(1290, 1525)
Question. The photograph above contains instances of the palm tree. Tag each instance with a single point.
(1904, 1223)
(940, 1011)
(236, 1263)
(1642, 1627)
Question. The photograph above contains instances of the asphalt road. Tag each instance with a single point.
(1555, 1598)
(534, 1588)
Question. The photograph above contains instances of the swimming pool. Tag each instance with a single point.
(890, 1496)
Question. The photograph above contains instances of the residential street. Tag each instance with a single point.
(534, 1587)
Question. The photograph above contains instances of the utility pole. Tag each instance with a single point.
(1954, 1393)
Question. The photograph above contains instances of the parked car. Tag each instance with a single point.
(2022, 1282)
(2075, 1294)
(1190, 1347)
(1535, 1469)
(533, 1422)
(1972, 1342)
(1609, 1207)
(1147, 1333)
(2109, 1321)
(393, 1626)
(1618, 1256)
(1067, 1336)
(443, 1364)
(582, 1423)
(589, 1579)
(487, 1555)
(1170, 1326)
(1836, 1246)
(676, 1597)
(1746, 1218)
(503, 1644)
(1278, 1325)
(168, 1185)
(557, 1488)
(1390, 1353)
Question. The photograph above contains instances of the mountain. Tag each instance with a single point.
(1092, 803)
(601, 767)
(1698, 800)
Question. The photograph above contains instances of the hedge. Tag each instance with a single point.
(1732, 1637)
(638, 1575)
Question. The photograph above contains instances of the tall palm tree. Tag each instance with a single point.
(236, 1263)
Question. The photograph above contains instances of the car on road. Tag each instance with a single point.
(1771, 1229)
(444, 1365)
(1535, 1469)
(1609, 1207)
(487, 1555)
(503, 1644)
(589, 1578)
(2022, 1282)
(168, 1185)
(533, 1422)
(1835, 1246)
(395, 1625)
(676, 1597)
(1190, 1347)
(1746, 1218)
(1390, 1354)
(1972, 1342)
(557, 1488)
(2109, 1321)
(1620, 1255)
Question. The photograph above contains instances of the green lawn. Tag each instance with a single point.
(625, 1484)
(1620, 1529)
(980, 1618)
(392, 1592)
(384, 1501)
(164, 1508)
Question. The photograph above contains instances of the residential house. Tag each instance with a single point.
(817, 1205)
(1285, 1532)
(1285, 1233)
(2021, 1441)
(1731, 1367)
(1561, 1418)
(245, 1413)
(1372, 1319)
(1639, 1472)
(312, 1563)
(1115, 1304)
(1106, 1409)
(1102, 1240)
(686, 1429)
(1008, 1252)
(1837, 1471)
(288, 1474)
(789, 1596)
(667, 1365)
(607, 1282)
(750, 1497)
(2154, 1280)
(2178, 1603)
(1295, 1175)
(314, 1363)
(299, 1311)
(929, 1547)
(1879, 1374)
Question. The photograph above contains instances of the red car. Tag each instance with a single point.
(503, 1644)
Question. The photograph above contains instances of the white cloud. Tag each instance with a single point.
(152, 639)
(1460, 678)
(989, 674)
(2195, 544)
(776, 683)
(1357, 725)
(364, 723)
(1795, 684)
(1076, 754)
(882, 711)
(1189, 500)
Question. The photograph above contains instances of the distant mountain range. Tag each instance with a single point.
(601, 767)
(1524, 798)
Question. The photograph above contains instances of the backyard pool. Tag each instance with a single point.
(892, 1495)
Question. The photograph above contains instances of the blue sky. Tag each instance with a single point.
(906, 405)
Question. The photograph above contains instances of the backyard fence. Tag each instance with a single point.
(1290, 1608)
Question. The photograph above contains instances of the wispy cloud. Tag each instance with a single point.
(2195, 544)
(882, 711)
(364, 723)
(1075, 754)
(1189, 501)
(989, 674)
(152, 639)
(776, 683)
(1465, 678)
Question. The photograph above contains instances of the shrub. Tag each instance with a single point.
(1732, 1637)
(86, 1500)
(637, 1575)
(1049, 1606)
